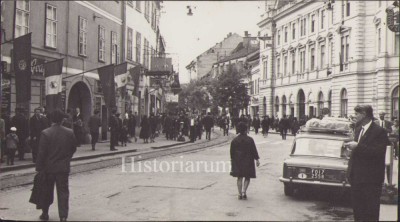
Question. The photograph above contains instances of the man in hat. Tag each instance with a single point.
(37, 123)
(387, 125)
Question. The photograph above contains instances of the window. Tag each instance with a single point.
(285, 65)
(320, 103)
(286, 34)
(145, 52)
(343, 103)
(395, 103)
(294, 31)
(277, 104)
(331, 51)
(347, 8)
(303, 27)
(302, 60)
(82, 36)
(344, 52)
(153, 12)
(379, 40)
(396, 43)
(330, 102)
(312, 23)
(265, 69)
(293, 62)
(278, 67)
(102, 44)
(322, 62)
(22, 18)
(138, 46)
(129, 44)
(312, 58)
(279, 37)
(114, 48)
(323, 19)
(146, 10)
(51, 26)
(283, 105)
(138, 6)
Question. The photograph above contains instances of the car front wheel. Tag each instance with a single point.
(289, 189)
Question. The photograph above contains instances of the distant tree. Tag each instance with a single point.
(194, 97)
(228, 90)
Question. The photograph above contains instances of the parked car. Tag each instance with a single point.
(319, 156)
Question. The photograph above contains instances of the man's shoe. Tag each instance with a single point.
(63, 219)
(113, 149)
(44, 217)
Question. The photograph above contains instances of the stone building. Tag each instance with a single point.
(203, 63)
(88, 35)
(333, 54)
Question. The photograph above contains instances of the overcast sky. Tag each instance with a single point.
(189, 36)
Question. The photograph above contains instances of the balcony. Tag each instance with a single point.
(160, 66)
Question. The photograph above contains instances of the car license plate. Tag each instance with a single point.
(317, 173)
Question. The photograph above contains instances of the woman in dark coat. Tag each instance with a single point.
(243, 154)
(145, 129)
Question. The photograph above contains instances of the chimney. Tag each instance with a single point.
(246, 33)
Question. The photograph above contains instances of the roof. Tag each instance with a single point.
(239, 52)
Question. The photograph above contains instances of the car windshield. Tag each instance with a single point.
(318, 147)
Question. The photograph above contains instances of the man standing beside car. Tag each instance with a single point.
(366, 169)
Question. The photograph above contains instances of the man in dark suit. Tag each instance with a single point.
(113, 124)
(387, 125)
(208, 123)
(366, 169)
(94, 125)
(57, 144)
(37, 123)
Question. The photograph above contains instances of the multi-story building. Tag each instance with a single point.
(333, 54)
(244, 59)
(88, 35)
(203, 63)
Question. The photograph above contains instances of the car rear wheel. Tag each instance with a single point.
(289, 189)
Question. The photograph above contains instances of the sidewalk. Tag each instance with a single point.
(102, 149)
(389, 212)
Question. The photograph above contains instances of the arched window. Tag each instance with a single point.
(343, 103)
(265, 105)
(330, 102)
(320, 103)
(301, 101)
(283, 105)
(395, 103)
(276, 104)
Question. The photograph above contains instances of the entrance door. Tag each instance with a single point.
(311, 111)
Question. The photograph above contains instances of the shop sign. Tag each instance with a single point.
(37, 66)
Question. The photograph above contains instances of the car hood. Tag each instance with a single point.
(317, 162)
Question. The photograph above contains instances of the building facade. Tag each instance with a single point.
(203, 63)
(319, 56)
(88, 35)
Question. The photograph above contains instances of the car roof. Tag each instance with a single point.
(317, 135)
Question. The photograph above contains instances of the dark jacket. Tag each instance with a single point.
(21, 123)
(256, 123)
(367, 161)
(57, 144)
(208, 122)
(243, 153)
(145, 129)
(94, 124)
(113, 123)
(36, 125)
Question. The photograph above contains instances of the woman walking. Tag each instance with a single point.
(243, 153)
(145, 129)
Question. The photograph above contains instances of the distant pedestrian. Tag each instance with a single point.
(11, 145)
(144, 129)
(256, 124)
(283, 126)
(2, 137)
(265, 126)
(192, 129)
(57, 145)
(208, 123)
(113, 126)
(20, 122)
(132, 126)
(77, 120)
(68, 120)
(243, 153)
(124, 131)
(119, 129)
(153, 127)
(295, 126)
(366, 167)
(94, 125)
(37, 123)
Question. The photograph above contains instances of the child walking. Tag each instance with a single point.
(11, 144)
